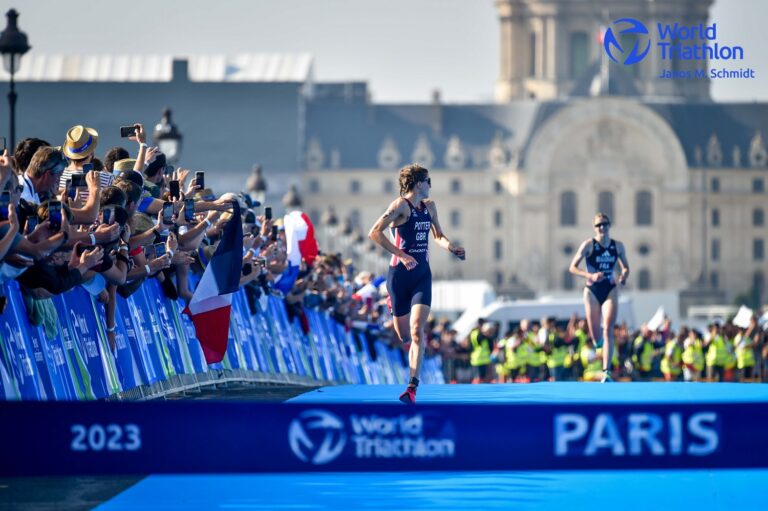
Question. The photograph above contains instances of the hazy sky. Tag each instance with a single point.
(403, 48)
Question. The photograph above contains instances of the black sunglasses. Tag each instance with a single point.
(602, 224)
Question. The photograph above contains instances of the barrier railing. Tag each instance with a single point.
(157, 352)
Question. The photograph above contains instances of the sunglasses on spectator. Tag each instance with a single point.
(428, 181)
(602, 224)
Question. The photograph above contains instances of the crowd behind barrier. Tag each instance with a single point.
(157, 352)
(100, 261)
(546, 350)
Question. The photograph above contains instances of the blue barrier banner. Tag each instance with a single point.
(318, 328)
(263, 338)
(139, 438)
(241, 324)
(166, 317)
(190, 337)
(89, 336)
(130, 369)
(76, 360)
(21, 355)
(127, 324)
(140, 309)
(280, 341)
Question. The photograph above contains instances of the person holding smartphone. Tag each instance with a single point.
(410, 218)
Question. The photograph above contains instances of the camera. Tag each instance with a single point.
(127, 131)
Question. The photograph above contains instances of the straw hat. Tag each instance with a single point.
(124, 164)
(80, 142)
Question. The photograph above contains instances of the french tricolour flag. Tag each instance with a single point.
(212, 300)
(300, 244)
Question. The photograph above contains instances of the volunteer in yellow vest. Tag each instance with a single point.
(693, 357)
(672, 363)
(717, 353)
(482, 344)
(745, 352)
(559, 360)
(642, 354)
(515, 356)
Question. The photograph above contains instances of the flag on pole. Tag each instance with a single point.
(212, 300)
(300, 244)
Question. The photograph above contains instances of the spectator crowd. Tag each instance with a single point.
(556, 351)
(68, 218)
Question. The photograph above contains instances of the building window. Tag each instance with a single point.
(715, 185)
(714, 280)
(314, 215)
(758, 186)
(643, 208)
(354, 217)
(567, 250)
(354, 186)
(497, 250)
(568, 283)
(314, 186)
(605, 204)
(758, 282)
(497, 188)
(567, 208)
(455, 186)
(758, 217)
(497, 218)
(715, 218)
(715, 250)
(532, 55)
(758, 249)
(389, 187)
(579, 53)
(644, 280)
(455, 218)
(643, 249)
(499, 278)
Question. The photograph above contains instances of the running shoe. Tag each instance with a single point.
(606, 377)
(409, 396)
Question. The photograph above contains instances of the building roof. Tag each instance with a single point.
(357, 131)
(247, 67)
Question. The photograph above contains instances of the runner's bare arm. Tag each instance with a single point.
(394, 212)
(622, 262)
(580, 254)
(440, 237)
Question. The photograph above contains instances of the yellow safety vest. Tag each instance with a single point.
(693, 356)
(670, 364)
(745, 353)
(645, 361)
(481, 350)
(594, 369)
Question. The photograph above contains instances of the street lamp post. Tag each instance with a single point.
(13, 44)
(168, 137)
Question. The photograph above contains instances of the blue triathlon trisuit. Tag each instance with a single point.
(602, 259)
(410, 287)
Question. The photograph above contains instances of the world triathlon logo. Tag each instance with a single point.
(627, 56)
(317, 437)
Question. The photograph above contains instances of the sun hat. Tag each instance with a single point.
(124, 164)
(80, 142)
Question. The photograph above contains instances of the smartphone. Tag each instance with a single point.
(247, 269)
(107, 214)
(268, 212)
(78, 179)
(168, 170)
(200, 179)
(189, 210)
(167, 213)
(70, 191)
(127, 131)
(121, 215)
(83, 248)
(54, 215)
(87, 167)
(274, 233)
(173, 189)
(159, 249)
(32, 222)
(5, 201)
